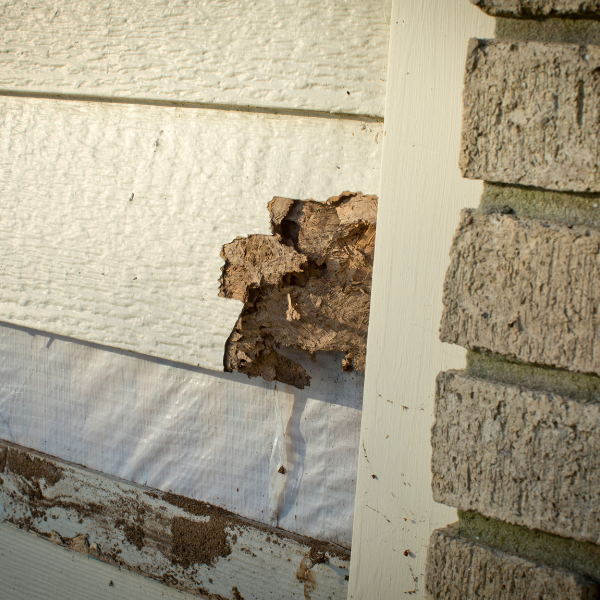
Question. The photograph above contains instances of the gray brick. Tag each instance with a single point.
(532, 114)
(539, 8)
(525, 288)
(460, 569)
(525, 457)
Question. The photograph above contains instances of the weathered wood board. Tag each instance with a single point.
(506, 278)
(317, 56)
(527, 121)
(188, 544)
(112, 216)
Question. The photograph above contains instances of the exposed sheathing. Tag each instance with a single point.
(307, 286)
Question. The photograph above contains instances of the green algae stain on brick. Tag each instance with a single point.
(555, 551)
(552, 30)
(567, 208)
(584, 387)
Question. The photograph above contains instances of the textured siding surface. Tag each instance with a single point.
(528, 121)
(136, 138)
(59, 573)
(324, 56)
(112, 216)
(525, 457)
(524, 288)
(460, 569)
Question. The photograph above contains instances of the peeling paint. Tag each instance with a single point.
(197, 543)
(307, 286)
(304, 573)
(30, 468)
(185, 543)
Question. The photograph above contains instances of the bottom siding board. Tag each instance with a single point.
(190, 545)
(61, 573)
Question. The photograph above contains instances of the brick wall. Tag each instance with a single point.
(516, 441)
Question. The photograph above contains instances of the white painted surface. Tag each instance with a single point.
(421, 195)
(263, 562)
(112, 216)
(310, 55)
(34, 569)
(198, 433)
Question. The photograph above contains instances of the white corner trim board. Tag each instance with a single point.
(420, 200)
(112, 216)
(309, 55)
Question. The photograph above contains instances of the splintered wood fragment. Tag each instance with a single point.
(307, 286)
(292, 314)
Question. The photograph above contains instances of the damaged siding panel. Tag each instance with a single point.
(113, 216)
(314, 56)
(185, 543)
(307, 286)
(215, 437)
(506, 278)
(528, 122)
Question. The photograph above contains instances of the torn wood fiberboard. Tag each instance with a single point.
(316, 56)
(307, 286)
(191, 545)
(112, 216)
